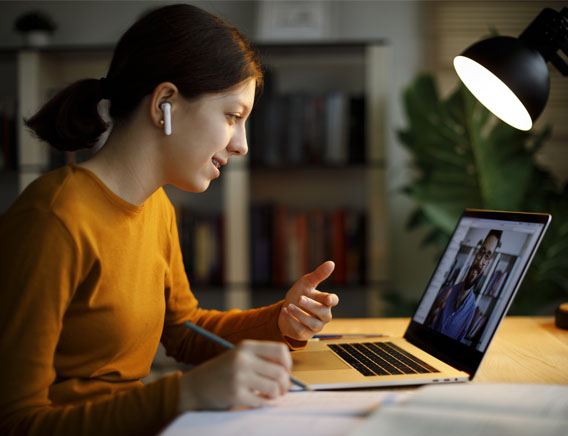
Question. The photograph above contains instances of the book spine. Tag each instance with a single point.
(8, 137)
(338, 246)
(279, 246)
(336, 124)
(302, 237)
(202, 246)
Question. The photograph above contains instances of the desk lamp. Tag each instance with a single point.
(509, 76)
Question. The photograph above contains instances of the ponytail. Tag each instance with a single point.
(182, 44)
(70, 120)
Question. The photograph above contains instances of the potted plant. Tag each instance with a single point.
(465, 157)
(36, 28)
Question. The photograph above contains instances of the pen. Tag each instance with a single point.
(348, 336)
(226, 344)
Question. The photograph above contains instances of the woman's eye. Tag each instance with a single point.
(233, 118)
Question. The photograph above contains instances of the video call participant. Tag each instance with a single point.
(454, 308)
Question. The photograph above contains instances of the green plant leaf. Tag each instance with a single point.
(464, 157)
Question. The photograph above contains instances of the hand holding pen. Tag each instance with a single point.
(247, 375)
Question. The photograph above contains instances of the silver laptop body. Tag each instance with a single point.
(464, 303)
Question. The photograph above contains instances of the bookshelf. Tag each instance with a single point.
(352, 184)
(8, 135)
(321, 164)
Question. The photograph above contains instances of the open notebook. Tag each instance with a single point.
(466, 299)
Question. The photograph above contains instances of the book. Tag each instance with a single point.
(202, 245)
(292, 250)
(261, 242)
(336, 120)
(278, 248)
(302, 236)
(355, 254)
(318, 243)
(338, 243)
(295, 153)
(475, 409)
(357, 130)
(272, 141)
(8, 138)
(314, 130)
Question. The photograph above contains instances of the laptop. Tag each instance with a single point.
(468, 295)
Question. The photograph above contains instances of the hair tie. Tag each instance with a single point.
(106, 91)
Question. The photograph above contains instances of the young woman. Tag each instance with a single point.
(91, 267)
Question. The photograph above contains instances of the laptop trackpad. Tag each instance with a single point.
(317, 360)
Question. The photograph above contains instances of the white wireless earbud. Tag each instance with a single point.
(167, 109)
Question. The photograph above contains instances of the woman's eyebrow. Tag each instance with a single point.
(245, 108)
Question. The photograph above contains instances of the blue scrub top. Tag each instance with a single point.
(454, 322)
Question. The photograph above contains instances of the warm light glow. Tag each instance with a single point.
(492, 93)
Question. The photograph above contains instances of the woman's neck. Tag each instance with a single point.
(126, 164)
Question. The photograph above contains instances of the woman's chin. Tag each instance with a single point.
(199, 189)
(196, 188)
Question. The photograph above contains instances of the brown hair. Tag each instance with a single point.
(181, 44)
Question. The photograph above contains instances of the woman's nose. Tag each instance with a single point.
(238, 144)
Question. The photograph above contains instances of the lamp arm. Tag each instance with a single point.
(559, 63)
(555, 59)
(547, 34)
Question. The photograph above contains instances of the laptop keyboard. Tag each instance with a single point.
(380, 358)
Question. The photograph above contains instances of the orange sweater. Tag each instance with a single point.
(90, 285)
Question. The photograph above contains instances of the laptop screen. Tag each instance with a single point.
(478, 275)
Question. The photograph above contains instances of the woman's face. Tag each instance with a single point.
(205, 132)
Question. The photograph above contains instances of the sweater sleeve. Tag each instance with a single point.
(39, 265)
(233, 325)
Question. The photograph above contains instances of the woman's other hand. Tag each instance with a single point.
(306, 310)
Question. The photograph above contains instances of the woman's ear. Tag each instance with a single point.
(161, 114)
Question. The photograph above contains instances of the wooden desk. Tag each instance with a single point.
(524, 350)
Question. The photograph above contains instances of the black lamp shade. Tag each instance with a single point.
(521, 68)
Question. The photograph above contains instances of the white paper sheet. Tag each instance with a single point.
(332, 413)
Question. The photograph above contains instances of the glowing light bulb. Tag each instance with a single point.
(492, 93)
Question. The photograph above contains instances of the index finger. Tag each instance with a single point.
(324, 298)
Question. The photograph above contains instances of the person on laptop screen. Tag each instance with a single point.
(454, 308)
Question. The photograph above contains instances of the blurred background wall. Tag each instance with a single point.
(422, 35)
